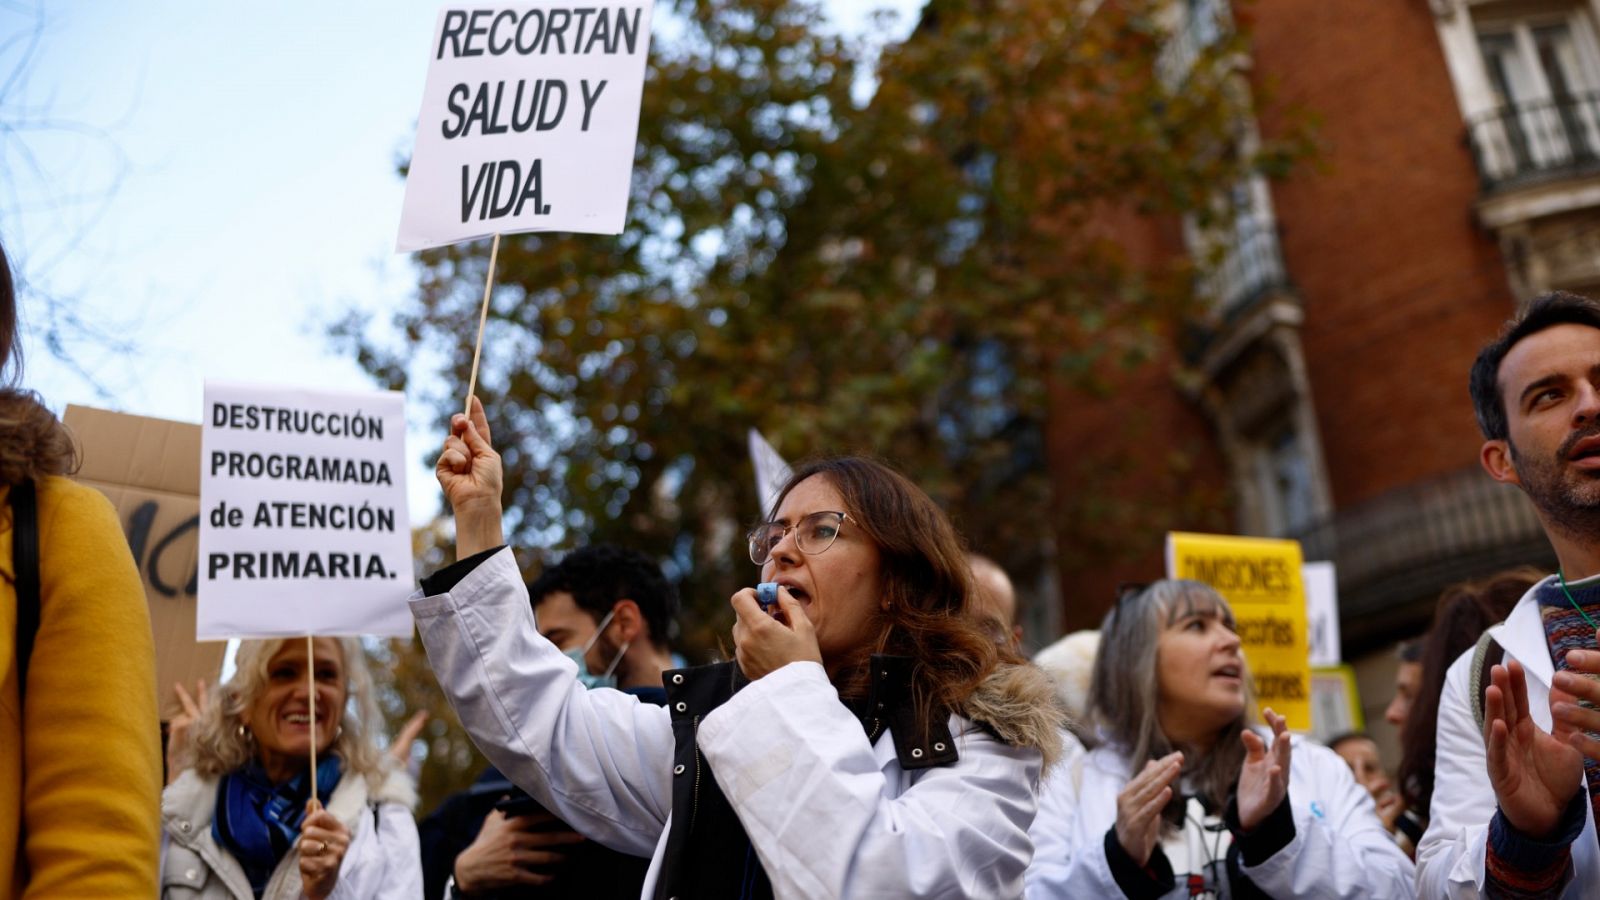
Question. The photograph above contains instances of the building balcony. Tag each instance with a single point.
(1396, 553)
(1203, 24)
(1251, 267)
(1531, 143)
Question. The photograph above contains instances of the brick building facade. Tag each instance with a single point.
(1459, 172)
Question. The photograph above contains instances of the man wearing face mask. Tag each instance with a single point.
(611, 610)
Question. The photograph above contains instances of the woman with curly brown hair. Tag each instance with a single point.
(80, 746)
(868, 740)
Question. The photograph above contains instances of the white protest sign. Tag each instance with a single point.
(529, 119)
(1322, 612)
(772, 473)
(303, 520)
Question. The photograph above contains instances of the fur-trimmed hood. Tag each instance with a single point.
(1018, 703)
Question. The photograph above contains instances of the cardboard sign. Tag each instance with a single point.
(772, 473)
(303, 519)
(150, 470)
(529, 119)
(1322, 612)
(1260, 579)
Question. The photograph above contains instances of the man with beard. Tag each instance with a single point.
(1513, 809)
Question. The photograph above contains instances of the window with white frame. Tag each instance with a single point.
(1542, 66)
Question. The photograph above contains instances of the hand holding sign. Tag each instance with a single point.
(470, 473)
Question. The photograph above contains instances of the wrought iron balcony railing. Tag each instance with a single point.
(1251, 266)
(1395, 554)
(1537, 140)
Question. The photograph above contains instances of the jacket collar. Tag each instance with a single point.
(1522, 636)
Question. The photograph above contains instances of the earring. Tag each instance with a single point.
(245, 734)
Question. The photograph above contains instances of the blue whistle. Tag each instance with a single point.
(767, 595)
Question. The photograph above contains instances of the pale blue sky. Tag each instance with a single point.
(258, 196)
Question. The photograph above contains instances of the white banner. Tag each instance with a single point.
(772, 473)
(1322, 612)
(529, 119)
(303, 521)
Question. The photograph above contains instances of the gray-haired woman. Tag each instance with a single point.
(1184, 797)
(240, 822)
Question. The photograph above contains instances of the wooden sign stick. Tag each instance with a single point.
(311, 682)
(483, 316)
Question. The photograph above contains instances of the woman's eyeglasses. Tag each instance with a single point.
(813, 534)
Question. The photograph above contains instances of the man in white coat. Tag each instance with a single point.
(1513, 801)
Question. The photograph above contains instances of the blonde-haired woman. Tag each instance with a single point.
(240, 821)
(1184, 797)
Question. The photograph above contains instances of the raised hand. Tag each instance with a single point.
(1140, 803)
(765, 642)
(469, 471)
(178, 729)
(1264, 777)
(1534, 774)
(400, 750)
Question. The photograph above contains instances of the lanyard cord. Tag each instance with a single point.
(1562, 576)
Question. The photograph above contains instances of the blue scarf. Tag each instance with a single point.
(258, 821)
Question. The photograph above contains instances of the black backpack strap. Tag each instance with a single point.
(25, 556)
(1485, 656)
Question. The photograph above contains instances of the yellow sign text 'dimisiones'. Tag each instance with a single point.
(1260, 579)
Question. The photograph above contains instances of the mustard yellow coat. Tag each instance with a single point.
(80, 768)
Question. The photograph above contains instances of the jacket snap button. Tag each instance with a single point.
(681, 706)
(677, 769)
(678, 678)
(190, 874)
(939, 748)
(916, 752)
(183, 827)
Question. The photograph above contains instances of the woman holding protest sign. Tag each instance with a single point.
(241, 822)
(80, 753)
(869, 739)
(1184, 797)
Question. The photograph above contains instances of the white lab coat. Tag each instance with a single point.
(1450, 859)
(829, 814)
(1340, 848)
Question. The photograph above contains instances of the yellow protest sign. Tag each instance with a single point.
(1260, 579)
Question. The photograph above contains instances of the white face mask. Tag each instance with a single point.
(578, 654)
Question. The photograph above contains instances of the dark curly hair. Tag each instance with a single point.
(599, 575)
(926, 586)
